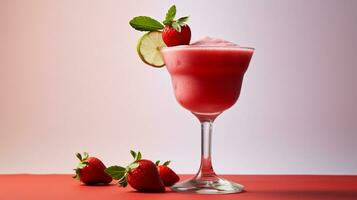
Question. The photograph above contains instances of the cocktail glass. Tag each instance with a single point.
(207, 81)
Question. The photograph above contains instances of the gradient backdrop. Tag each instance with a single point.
(70, 80)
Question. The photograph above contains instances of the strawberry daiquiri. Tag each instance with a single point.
(207, 78)
(207, 75)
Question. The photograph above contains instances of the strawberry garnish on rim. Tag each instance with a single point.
(176, 32)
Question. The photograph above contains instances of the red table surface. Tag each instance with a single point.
(266, 187)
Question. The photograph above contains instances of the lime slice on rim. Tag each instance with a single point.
(149, 46)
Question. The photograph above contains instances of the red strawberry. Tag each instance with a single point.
(145, 177)
(176, 36)
(90, 170)
(176, 31)
(141, 175)
(167, 175)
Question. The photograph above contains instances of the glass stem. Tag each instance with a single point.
(206, 168)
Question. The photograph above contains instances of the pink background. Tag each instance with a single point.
(70, 81)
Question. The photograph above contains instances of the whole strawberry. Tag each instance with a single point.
(90, 170)
(176, 32)
(176, 36)
(167, 175)
(141, 175)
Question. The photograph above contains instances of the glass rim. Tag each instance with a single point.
(180, 47)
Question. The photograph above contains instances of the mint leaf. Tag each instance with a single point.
(182, 20)
(170, 15)
(116, 172)
(144, 23)
(176, 26)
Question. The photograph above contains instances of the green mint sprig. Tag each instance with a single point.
(145, 23)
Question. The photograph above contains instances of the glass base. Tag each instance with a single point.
(213, 185)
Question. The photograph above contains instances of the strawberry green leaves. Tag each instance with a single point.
(133, 153)
(83, 163)
(83, 160)
(144, 23)
(157, 162)
(85, 156)
(166, 163)
(182, 20)
(136, 156)
(177, 24)
(79, 156)
(76, 176)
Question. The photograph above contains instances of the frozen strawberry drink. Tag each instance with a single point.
(207, 78)
(207, 75)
